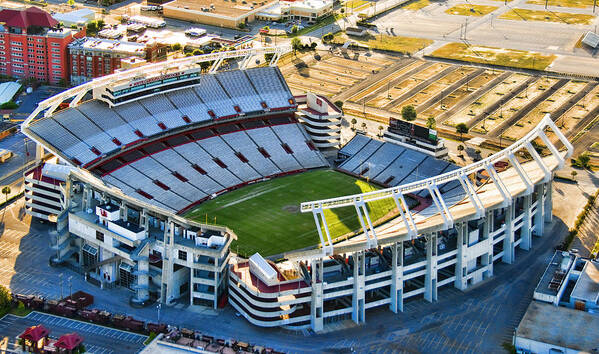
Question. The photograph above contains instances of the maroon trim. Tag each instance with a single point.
(199, 169)
(180, 177)
(161, 185)
(139, 133)
(263, 152)
(116, 141)
(237, 109)
(162, 125)
(95, 151)
(311, 145)
(219, 162)
(96, 165)
(144, 194)
(287, 148)
(241, 157)
(77, 162)
(186, 119)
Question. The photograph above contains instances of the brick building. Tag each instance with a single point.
(95, 57)
(33, 45)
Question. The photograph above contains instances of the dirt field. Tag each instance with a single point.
(551, 104)
(434, 88)
(390, 78)
(406, 85)
(496, 94)
(548, 16)
(461, 93)
(513, 106)
(471, 10)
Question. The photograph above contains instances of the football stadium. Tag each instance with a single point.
(206, 187)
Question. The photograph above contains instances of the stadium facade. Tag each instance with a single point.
(138, 148)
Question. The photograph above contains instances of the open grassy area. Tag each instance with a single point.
(548, 16)
(386, 42)
(327, 21)
(563, 3)
(471, 10)
(266, 217)
(416, 5)
(492, 55)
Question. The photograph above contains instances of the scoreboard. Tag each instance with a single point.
(414, 131)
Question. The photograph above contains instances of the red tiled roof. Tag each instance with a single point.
(34, 333)
(32, 16)
(69, 341)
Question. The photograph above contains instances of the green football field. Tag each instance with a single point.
(266, 217)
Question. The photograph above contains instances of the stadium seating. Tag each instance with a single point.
(216, 147)
(189, 104)
(215, 98)
(361, 159)
(354, 145)
(109, 121)
(391, 164)
(268, 84)
(240, 142)
(163, 111)
(266, 139)
(291, 135)
(138, 117)
(63, 140)
(241, 90)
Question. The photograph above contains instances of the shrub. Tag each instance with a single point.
(339, 103)
(176, 46)
(9, 105)
(408, 113)
(313, 45)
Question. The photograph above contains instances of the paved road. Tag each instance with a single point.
(96, 339)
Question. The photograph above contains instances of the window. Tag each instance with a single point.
(182, 255)
(15, 43)
(55, 55)
(55, 44)
(18, 71)
(56, 50)
(56, 67)
(56, 72)
(99, 236)
(17, 54)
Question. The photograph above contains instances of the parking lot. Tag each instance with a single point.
(97, 339)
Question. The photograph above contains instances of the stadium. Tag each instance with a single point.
(196, 187)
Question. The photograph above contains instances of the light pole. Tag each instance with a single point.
(60, 277)
(158, 308)
(70, 288)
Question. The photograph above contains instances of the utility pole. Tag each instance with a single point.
(158, 308)
(60, 277)
(546, 4)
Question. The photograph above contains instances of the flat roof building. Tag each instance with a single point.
(555, 329)
(223, 13)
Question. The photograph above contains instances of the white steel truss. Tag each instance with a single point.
(463, 175)
(49, 105)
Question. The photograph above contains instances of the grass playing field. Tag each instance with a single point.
(266, 217)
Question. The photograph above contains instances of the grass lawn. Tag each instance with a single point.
(563, 3)
(353, 4)
(416, 5)
(548, 16)
(266, 217)
(327, 21)
(386, 42)
(471, 10)
(492, 55)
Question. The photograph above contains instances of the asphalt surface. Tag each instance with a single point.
(96, 339)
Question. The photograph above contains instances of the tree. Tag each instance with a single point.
(175, 47)
(198, 52)
(205, 65)
(342, 10)
(328, 37)
(339, 103)
(461, 150)
(71, 3)
(100, 24)
(92, 28)
(266, 29)
(431, 122)
(353, 123)
(6, 192)
(381, 130)
(583, 160)
(573, 173)
(268, 57)
(461, 128)
(294, 29)
(241, 25)
(5, 299)
(363, 125)
(296, 44)
(313, 45)
(408, 113)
